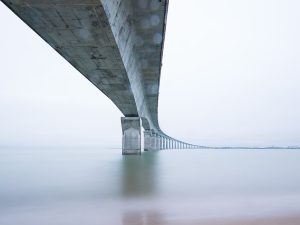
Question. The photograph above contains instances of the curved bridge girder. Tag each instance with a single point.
(116, 44)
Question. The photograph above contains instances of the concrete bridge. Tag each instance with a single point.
(117, 45)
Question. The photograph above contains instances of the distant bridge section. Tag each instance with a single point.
(117, 45)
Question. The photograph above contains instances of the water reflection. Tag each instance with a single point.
(142, 218)
(100, 186)
(138, 175)
(139, 181)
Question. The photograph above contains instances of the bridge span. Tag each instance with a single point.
(117, 45)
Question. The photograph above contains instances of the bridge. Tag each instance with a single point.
(118, 46)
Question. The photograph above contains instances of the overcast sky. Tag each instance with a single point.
(231, 76)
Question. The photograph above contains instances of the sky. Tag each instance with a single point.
(230, 77)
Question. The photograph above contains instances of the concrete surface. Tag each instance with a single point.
(116, 44)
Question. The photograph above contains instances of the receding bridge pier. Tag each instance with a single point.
(132, 137)
(131, 140)
(118, 46)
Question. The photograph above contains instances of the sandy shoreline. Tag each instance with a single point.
(286, 220)
(154, 219)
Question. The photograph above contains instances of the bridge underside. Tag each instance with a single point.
(117, 45)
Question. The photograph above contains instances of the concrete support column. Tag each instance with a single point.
(153, 141)
(165, 143)
(160, 142)
(131, 139)
(147, 140)
(157, 142)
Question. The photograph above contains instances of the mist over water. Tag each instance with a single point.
(100, 186)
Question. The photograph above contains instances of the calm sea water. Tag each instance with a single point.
(41, 186)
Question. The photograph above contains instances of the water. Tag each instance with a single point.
(90, 186)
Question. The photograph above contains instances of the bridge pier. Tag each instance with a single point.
(164, 143)
(153, 141)
(159, 147)
(147, 140)
(157, 142)
(131, 139)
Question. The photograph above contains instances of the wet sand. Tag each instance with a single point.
(293, 220)
(153, 219)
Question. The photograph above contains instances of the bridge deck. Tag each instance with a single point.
(115, 44)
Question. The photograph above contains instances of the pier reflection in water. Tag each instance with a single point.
(99, 186)
(138, 175)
